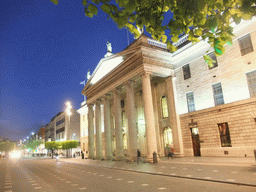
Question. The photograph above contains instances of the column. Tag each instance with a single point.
(130, 108)
(107, 126)
(118, 126)
(149, 116)
(98, 130)
(54, 126)
(90, 131)
(174, 118)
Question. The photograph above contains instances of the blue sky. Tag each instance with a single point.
(46, 51)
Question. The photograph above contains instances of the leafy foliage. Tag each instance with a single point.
(206, 19)
(7, 146)
(33, 144)
(50, 145)
(69, 144)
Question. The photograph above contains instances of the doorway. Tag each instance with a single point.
(195, 141)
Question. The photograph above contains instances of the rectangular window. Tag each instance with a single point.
(214, 58)
(186, 71)
(251, 80)
(190, 102)
(245, 44)
(224, 135)
(218, 94)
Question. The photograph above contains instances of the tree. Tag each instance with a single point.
(206, 19)
(52, 145)
(7, 146)
(33, 144)
(70, 144)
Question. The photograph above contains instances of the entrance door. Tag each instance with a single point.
(195, 141)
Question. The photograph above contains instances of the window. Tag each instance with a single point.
(164, 107)
(245, 44)
(251, 80)
(168, 137)
(214, 58)
(186, 71)
(224, 135)
(123, 118)
(190, 102)
(217, 93)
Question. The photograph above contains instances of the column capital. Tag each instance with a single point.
(129, 83)
(146, 74)
(170, 78)
(90, 104)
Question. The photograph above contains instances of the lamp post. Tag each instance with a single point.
(68, 112)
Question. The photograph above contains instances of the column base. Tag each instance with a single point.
(91, 157)
(150, 159)
(109, 158)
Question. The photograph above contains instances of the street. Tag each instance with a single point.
(50, 175)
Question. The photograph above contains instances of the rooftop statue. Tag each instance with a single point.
(109, 47)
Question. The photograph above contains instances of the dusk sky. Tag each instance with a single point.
(46, 51)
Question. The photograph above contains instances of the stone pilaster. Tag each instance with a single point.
(130, 108)
(118, 125)
(107, 126)
(174, 118)
(91, 131)
(98, 130)
(149, 116)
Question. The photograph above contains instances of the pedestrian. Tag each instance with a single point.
(170, 153)
(138, 156)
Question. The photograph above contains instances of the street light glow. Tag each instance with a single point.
(32, 133)
(68, 108)
(27, 137)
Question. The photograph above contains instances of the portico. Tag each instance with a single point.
(128, 94)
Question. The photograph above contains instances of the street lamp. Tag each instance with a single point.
(32, 133)
(74, 136)
(27, 137)
(68, 112)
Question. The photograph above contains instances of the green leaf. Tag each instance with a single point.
(92, 9)
(105, 8)
(88, 14)
(84, 3)
(55, 2)
(175, 38)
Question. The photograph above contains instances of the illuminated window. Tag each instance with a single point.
(125, 141)
(164, 107)
(186, 71)
(214, 58)
(123, 118)
(190, 102)
(218, 94)
(168, 137)
(245, 44)
(224, 135)
(251, 80)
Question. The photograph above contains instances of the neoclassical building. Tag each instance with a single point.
(149, 99)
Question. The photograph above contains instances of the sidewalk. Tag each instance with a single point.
(214, 169)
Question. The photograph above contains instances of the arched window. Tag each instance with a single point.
(168, 137)
(164, 107)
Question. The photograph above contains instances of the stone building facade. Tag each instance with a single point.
(149, 99)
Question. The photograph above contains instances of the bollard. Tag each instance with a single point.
(154, 157)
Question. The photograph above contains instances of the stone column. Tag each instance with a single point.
(130, 108)
(107, 126)
(149, 116)
(98, 130)
(54, 126)
(90, 132)
(174, 118)
(118, 126)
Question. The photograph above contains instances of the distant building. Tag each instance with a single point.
(150, 99)
(60, 128)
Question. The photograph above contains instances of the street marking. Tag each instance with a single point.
(82, 188)
(110, 177)
(173, 174)
(199, 169)
(215, 171)
(102, 175)
(38, 187)
(173, 167)
(130, 181)
(188, 175)
(119, 179)
(74, 185)
(62, 179)
(234, 172)
(162, 188)
(185, 168)
(8, 183)
(144, 185)
(160, 172)
(207, 177)
(68, 181)
(9, 191)
(7, 186)
(95, 173)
